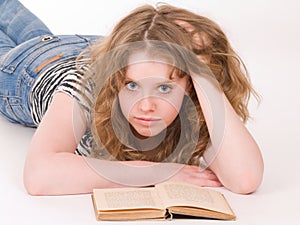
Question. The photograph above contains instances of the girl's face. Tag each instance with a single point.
(150, 100)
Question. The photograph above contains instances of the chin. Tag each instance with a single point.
(146, 133)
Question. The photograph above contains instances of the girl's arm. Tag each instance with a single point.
(52, 168)
(236, 159)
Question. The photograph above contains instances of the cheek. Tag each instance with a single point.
(125, 106)
(127, 103)
(169, 111)
(174, 101)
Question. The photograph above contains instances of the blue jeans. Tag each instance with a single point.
(27, 49)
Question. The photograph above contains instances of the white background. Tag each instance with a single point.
(265, 33)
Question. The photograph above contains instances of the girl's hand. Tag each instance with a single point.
(194, 175)
(199, 40)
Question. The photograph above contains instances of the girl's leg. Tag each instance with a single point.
(17, 26)
(6, 43)
(18, 23)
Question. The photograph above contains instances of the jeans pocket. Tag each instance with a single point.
(69, 46)
(16, 56)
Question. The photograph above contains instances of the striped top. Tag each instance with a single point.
(67, 78)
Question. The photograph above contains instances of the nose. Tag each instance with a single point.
(147, 105)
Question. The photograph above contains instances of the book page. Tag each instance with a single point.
(126, 198)
(181, 194)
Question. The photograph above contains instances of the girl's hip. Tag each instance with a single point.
(22, 65)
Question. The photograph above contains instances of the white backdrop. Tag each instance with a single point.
(265, 33)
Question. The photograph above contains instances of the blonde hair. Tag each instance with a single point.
(163, 23)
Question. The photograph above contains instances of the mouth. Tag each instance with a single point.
(146, 121)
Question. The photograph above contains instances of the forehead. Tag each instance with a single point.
(142, 70)
(141, 65)
(146, 65)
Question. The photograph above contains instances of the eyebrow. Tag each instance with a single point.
(167, 81)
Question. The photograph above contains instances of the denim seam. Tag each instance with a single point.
(12, 65)
(43, 50)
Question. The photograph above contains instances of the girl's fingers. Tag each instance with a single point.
(193, 175)
(185, 25)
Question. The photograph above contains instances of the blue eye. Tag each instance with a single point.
(164, 89)
(131, 86)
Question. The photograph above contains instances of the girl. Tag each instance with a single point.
(144, 95)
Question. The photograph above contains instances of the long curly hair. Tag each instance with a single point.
(187, 137)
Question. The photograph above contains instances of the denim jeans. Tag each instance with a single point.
(27, 49)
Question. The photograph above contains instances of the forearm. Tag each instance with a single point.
(238, 162)
(234, 157)
(67, 173)
(60, 174)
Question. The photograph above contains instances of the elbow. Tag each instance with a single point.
(35, 183)
(32, 190)
(247, 186)
(247, 183)
(33, 186)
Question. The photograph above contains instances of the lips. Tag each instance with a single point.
(146, 121)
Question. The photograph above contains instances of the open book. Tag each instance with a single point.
(160, 202)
